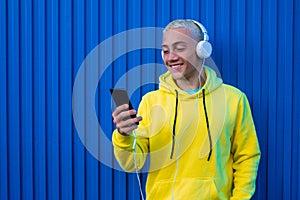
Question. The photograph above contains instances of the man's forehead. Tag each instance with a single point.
(178, 35)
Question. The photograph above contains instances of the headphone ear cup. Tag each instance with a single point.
(203, 49)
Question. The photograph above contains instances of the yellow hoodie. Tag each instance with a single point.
(198, 148)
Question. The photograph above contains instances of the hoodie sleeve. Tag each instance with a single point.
(246, 153)
(123, 145)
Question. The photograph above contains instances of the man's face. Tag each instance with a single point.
(179, 49)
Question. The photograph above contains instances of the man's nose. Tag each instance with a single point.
(172, 56)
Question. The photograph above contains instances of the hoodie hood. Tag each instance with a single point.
(167, 84)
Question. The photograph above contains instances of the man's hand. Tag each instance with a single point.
(124, 123)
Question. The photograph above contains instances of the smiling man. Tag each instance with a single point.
(198, 131)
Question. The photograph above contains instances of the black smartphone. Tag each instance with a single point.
(120, 97)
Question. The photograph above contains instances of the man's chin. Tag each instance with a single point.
(178, 76)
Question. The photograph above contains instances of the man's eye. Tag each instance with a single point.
(180, 49)
(166, 51)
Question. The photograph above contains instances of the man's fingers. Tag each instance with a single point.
(124, 115)
(129, 122)
(123, 121)
(120, 109)
(125, 127)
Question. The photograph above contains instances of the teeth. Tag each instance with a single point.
(175, 66)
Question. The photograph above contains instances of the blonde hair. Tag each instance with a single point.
(188, 24)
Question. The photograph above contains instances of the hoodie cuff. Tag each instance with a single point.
(122, 141)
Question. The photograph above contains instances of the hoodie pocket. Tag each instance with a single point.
(182, 189)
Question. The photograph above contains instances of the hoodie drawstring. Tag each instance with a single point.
(207, 125)
(174, 125)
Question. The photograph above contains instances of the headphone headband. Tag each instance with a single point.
(202, 29)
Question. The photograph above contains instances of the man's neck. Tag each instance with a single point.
(192, 83)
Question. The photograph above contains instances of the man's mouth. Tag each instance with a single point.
(176, 66)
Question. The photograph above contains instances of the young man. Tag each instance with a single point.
(198, 131)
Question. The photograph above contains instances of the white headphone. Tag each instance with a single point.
(203, 48)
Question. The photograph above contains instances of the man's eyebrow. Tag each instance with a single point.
(174, 44)
(164, 45)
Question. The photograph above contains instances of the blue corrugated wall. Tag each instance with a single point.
(43, 43)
